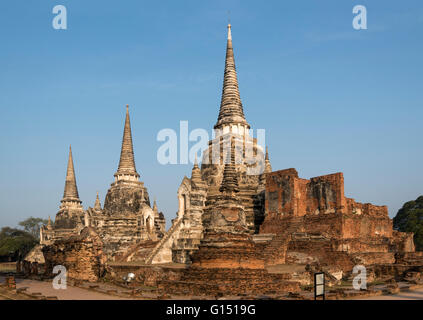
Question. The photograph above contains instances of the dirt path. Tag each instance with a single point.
(70, 293)
(416, 294)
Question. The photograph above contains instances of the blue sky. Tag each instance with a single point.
(330, 98)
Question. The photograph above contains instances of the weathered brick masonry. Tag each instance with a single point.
(81, 255)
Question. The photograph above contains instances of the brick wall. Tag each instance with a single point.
(81, 255)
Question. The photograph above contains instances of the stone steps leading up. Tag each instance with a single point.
(166, 237)
(275, 251)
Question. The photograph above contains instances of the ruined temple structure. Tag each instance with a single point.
(127, 218)
(319, 224)
(238, 221)
(202, 191)
(241, 228)
(70, 217)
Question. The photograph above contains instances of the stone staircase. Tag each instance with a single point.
(182, 241)
(186, 245)
(167, 237)
(275, 251)
(137, 252)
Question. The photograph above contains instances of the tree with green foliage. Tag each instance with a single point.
(32, 225)
(410, 219)
(16, 243)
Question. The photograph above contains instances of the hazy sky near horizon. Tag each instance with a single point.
(330, 98)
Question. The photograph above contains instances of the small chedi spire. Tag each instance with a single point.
(71, 191)
(196, 172)
(230, 178)
(49, 225)
(126, 169)
(231, 110)
(97, 204)
(267, 168)
(195, 161)
(267, 165)
(155, 209)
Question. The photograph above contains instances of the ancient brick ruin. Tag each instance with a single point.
(82, 255)
(241, 228)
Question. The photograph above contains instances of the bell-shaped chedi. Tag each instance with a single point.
(220, 197)
(71, 211)
(225, 211)
(127, 194)
(227, 242)
(126, 219)
(232, 122)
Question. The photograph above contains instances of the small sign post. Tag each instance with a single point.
(319, 285)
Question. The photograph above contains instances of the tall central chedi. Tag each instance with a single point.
(233, 168)
(233, 131)
(227, 193)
